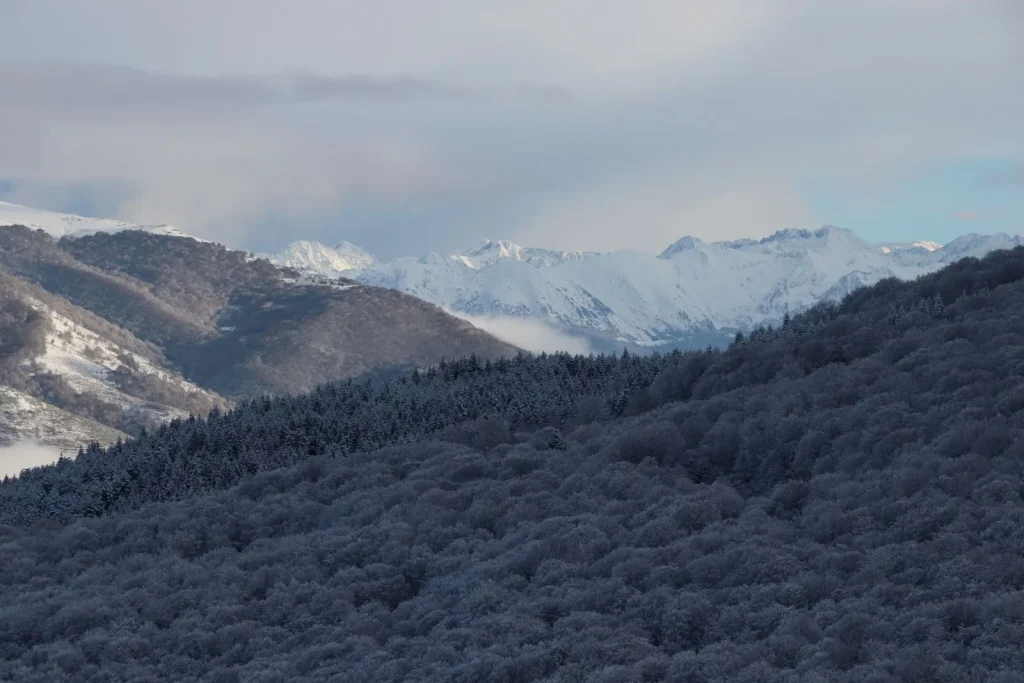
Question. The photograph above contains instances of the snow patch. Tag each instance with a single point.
(86, 360)
(60, 225)
(693, 287)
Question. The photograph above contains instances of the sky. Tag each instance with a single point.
(406, 126)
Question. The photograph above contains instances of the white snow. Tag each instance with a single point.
(692, 286)
(897, 246)
(317, 258)
(69, 225)
(490, 251)
(85, 360)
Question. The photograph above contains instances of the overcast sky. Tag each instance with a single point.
(409, 125)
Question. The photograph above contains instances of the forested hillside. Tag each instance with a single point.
(838, 499)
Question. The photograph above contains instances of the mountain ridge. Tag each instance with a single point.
(131, 328)
(59, 225)
(691, 289)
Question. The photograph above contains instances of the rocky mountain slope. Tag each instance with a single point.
(692, 292)
(130, 328)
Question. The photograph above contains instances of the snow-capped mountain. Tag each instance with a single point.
(317, 258)
(489, 252)
(691, 289)
(69, 225)
(898, 246)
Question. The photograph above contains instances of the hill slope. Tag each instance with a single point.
(838, 499)
(23, 417)
(79, 363)
(131, 318)
(69, 225)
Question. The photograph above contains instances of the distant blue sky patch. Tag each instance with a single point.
(936, 203)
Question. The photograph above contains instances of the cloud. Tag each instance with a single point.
(575, 123)
(532, 335)
(590, 43)
(643, 212)
(314, 86)
(216, 180)
(26, 454)
(121, 92)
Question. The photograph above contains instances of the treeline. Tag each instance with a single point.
(476, 402)
(841, 499)
(469, 400)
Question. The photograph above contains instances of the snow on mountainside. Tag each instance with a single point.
(691, 288)
(24, 418)
(898, 246)
(68, 225)
(335, 261)
(98, 371)
(489, 252)
(694, 291)
(317, 258)
(88, 363)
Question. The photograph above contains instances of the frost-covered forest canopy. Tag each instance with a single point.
(837, 499)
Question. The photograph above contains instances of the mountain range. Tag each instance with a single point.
(108, 328)
(691, 294)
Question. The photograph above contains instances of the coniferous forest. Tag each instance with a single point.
(835, 499)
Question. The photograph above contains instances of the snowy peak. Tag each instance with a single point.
(59, 225)
(681, 245)
(354, 254)
(692, 288)
(919, 246)
(315, 257)
(788, 235)
(826, 237)
(977, 245)
(490, 252)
